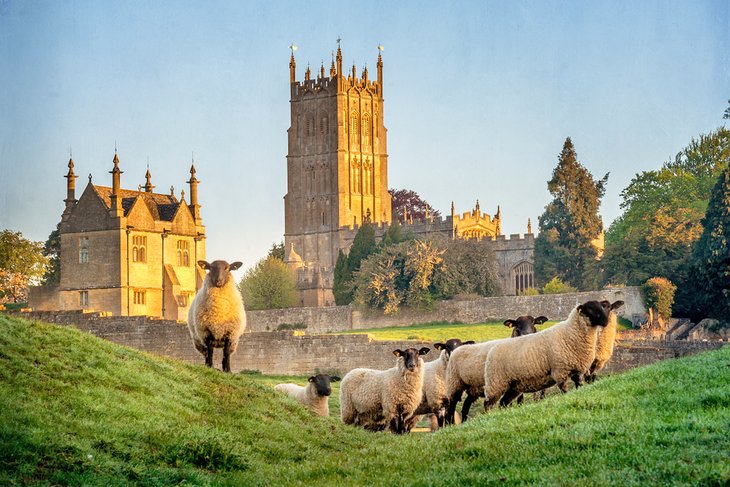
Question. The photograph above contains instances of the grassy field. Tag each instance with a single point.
(441, 331)
(79, 410)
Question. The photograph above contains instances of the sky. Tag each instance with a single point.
(479, 98)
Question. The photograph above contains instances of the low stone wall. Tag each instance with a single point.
(293, 353)
(554, 306)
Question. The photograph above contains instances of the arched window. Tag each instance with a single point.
(182, 253)
(523, 276)
(135, 254)
(83, 250)
(139, 249)
(186, 259)
(366, 130)
(141, 255)
(179, 258)
(354, 132)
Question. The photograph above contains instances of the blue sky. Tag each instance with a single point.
(479, 97)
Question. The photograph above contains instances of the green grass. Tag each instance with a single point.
(441, 331)
(81, 411)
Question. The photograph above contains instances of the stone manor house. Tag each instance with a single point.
(128, 252)
(337, 176)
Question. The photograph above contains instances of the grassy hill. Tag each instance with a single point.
(79, 410)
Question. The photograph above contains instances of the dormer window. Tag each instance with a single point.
(139, 248)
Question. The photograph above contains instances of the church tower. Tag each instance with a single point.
(337, 169)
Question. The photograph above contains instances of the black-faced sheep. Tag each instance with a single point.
(605, 342)
(378, 399)
(465, 370)
(216, 317)
(315, 395)
(434, 398)
(534, 362)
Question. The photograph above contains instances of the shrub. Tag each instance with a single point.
(557, 286)
(268, 285)
(659, 295)
(291, 326)
(530, 291)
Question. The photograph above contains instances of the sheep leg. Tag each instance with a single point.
(509, 396)
(227, 355)
(490, 401)
(451, 409)
(209, 350)
(577, 379)
(467, 404)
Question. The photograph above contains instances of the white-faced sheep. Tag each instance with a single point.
(605, 342)
(216, 317)
(377, 399)
(434, 398)
(535, 362)
(465, 370)
(315, 395)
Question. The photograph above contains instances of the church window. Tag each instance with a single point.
(183, 256)
(83, 250)
(83, 298)
(354, 132)
(310, 127)
(140, 297)
(184, 299)
(139, 248)
(366, 130)
(524, 277)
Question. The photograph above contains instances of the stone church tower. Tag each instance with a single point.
(337, 168)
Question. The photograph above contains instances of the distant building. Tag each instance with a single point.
(337, 177)
(129, 252)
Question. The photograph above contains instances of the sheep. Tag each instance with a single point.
(217, 317)
(315, 395)
(604, 343)
(433, 399)
(465, 370)
(376, 399)
(534, 362)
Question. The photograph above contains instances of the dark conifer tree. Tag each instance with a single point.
(570, 223)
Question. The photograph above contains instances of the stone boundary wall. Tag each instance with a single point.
(293, 353)
(340, 318)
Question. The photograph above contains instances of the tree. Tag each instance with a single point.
(362, 246)
(470, 267)
(556, 286)
(662, 216)
(52, 251)
(412, 203)
(570, 223)
(269, 284)
(711, 255)
(659, 295)
(277, 251)
(727, 111)
(21, 263)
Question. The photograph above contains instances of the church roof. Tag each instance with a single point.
(162, 206)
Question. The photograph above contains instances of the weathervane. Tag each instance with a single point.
(381, 48)
(293, 48)
(338, 42)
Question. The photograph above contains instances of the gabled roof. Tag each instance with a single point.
(162, 206)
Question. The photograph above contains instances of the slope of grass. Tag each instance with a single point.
(79, 410)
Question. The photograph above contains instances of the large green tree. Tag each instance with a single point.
(570, 223)
(662, 217)
(269, 284)
(469, 267)
(363, 245)
(52, 251)
(21, 263)
(710, 285)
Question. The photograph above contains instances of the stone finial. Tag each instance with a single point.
(529, 225)
(148, 181)
(172, 190)
(307, 74)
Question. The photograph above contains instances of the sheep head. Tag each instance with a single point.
(451, 345)
(322, 383)
(595, 312)
(524, 325)
(219, 271)
(411, 356)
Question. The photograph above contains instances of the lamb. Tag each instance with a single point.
(433, 399)
(534, 362)
(315, 395)
(604, 343)
(376, 399)
(465, 370)
(216, 317)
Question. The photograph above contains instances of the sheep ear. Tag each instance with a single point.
(617, 304)
(469, 342)
(203, 264)
(580, 309)
(423, 351)
(509, 323)
(311, 379)
(398, 352)
(334, 378)
(439, 346)
(540, 320)
(235, 265)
